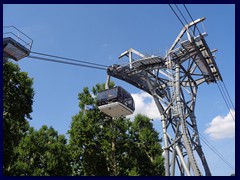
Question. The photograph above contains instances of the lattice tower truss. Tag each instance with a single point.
(173, 81)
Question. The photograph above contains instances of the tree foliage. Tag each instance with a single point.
(101, 145)
(88, 157)
(98, 144)
(42, 153)
(149, 160)
(17, 106)
(26, 151)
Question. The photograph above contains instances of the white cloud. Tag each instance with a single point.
(222, 127)
(145, 105)
(93, 96)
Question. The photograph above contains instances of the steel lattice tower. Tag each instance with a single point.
(173, 81)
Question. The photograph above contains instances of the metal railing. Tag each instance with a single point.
(17, 35)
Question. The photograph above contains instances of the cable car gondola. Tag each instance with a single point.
(115, 102)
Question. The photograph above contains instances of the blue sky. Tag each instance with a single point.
(99, 34)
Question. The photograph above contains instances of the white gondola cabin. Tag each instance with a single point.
(115, 102)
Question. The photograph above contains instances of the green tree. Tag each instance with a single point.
(17, 106)
(100, 145)
(88, 156)
(147, 150)
(42, 153)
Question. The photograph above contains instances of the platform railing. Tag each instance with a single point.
(17, 35)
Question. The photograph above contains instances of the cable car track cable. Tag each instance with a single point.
(69, 59)
(191, 17)
(228, 99)
(221, 91)
(181, 20)
(224, 98)
(205, 141)
(69, 63)
(201, 136)
(181, 14)
(176, 15)
(228, 95)
(218, 154)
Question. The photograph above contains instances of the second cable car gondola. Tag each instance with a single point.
(115, 102)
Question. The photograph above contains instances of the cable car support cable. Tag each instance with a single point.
(64, 62)
(225, 100)
(205, 141)
(228, 95)
(69, 59)
(223, 89)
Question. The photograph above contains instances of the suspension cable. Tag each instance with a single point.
(221, 90)
(69, 59)
(216, 152)
(64, 62)
(187, 29)
(176, 15)
(181, 14)
(228, 99)
(205, 141)
(224, 98)
(191, 17)
(201, 136)
(228, 95)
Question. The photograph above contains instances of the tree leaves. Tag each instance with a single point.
(106, 146)
(42, 153)
(17, 106)
(98, 145)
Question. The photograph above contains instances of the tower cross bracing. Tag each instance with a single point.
(173, 81)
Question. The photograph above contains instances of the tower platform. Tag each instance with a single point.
(16, 44)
